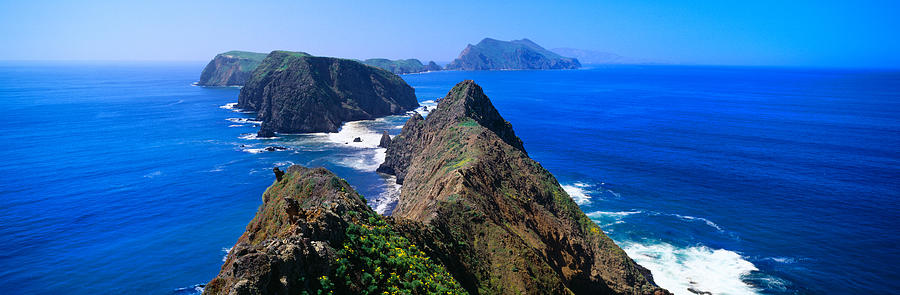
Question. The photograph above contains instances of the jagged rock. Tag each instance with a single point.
(357, 139)
(495, 218)
(294, 92)
(278, 173)
(385, 140)
(491, 54)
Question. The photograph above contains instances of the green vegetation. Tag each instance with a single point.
(400, 66)
(375, 259)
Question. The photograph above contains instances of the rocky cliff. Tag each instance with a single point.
(293, 92)
(432, 67)
(231, 68)
(314, 234)
(498, 221)
(402, 66)
(491, 54)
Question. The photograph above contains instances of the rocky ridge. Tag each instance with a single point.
(499, 222)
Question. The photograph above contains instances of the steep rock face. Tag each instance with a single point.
(495, 218)
(231, 68)
(295, 93)
(314, 233)
(491, 54)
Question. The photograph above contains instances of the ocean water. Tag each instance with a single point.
(124, 178)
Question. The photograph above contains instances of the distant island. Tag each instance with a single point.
(599, 57)
(491, 54)
(231, 68)
(402, 66)
(294, 92)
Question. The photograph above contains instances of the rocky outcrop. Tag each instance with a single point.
(402, 147)
(385, 140)
(314, 234)
(293, 92)
(491, 54)
(498, 221)
(432, 67)
(231, 68)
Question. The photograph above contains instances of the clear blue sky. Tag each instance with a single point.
(791, 33)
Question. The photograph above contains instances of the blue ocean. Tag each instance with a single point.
(123, 178)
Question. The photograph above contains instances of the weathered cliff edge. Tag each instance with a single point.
(314, 233)
(231, 68)
(294, 92)
(491, 54)
(499, 222)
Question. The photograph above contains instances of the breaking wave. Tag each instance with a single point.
(694, 270)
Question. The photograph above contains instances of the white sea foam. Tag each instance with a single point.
(388, 197)
(579, 192)
(351, 130)
(252, 136)
(233, 107)
(153, 174)
(368, 155)
(697, 268)
(243, 121)
(255, 151)
(284, 163)
(236, 125)
(226, 250)
(704, 220)
(425, 107)
(195, 289)
(614, 193)
(617, 214)
(365, 160)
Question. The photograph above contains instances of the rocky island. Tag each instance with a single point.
(475, 215)
(294, 92)
(402, 66)
(231, 68)
(492, 54)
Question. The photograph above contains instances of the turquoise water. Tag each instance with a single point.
(124, 178)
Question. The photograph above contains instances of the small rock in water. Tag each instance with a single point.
(357, 139)
(275, 148)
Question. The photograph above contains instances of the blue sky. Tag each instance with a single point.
(786, 33)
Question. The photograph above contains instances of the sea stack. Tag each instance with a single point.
(231, 68)
(385, 140)
(294, 92)
(492, 54)
(498, 221)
